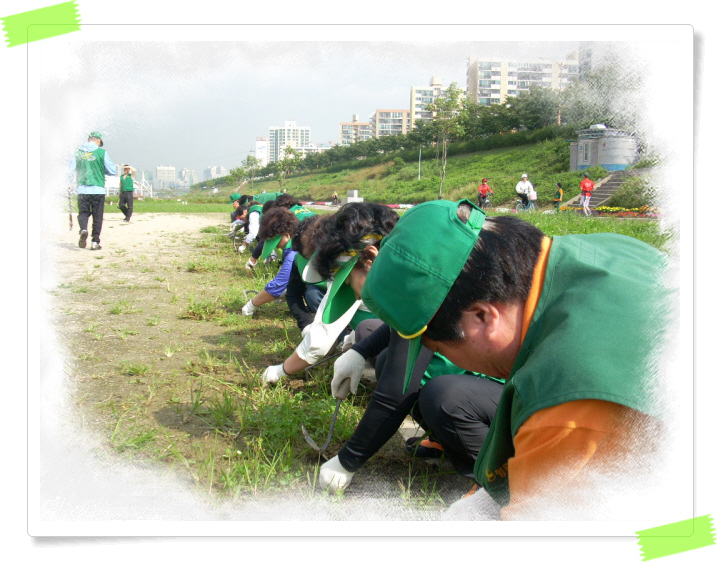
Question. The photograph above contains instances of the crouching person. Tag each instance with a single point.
(512, 303)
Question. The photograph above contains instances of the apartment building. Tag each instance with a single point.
(214, 172)
(354, 131)
(165, 177)
(421, 96)
(492, 81)
(291, 135)
(385, 122)
(261, 151)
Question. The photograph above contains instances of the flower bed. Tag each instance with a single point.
(645, 212)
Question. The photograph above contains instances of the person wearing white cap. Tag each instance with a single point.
(524, 188)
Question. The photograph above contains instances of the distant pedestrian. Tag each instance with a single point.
(126, 195)
(586, 190)
(91, 164)
(483, 190)
(524, 189)
(335, 199)
(558, 197)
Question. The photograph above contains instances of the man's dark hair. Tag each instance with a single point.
(286, 200)
(346, 228)
(245, 200)
(498, 270)
(308, 234)
(277, 221)
(266, 206)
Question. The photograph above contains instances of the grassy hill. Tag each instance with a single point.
(394, 181)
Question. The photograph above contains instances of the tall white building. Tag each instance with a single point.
(291, 135)
(165, 177)
(189, 177)
(492, 81)
(214, 172)
(261, 151)
(421, 96)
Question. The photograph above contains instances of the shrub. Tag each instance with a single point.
(635, 192)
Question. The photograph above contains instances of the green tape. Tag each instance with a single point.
(676, 537)
(41, 24)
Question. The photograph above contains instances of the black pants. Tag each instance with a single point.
(126, 202)
(94, 206)
(455, 409)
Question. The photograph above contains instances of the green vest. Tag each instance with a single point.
(599, 317)
(439, 365)
(258, 208)
(264, 197)
(126, 183)
(301, 212)
(301, 262)
(90, 167)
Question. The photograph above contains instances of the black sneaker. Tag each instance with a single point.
(424, 448)
(83, 239)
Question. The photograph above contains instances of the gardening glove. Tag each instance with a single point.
(305, 331)
(334, 476)
(348, 341)
(476, 507)
(272, 374)
(242, 248)
(250, 265)
(349, 366)
(248, 309)
(321, 337)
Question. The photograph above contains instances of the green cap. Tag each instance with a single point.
(233, 197)
(417, 266)
(271, 244)
(96, 135)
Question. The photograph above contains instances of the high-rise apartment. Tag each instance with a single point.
(261, 152)
(387, 122)
(492, 81)
(165, 177)
(291, 135)
(421, 96)
(354, 131)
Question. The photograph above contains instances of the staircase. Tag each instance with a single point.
(605, 188)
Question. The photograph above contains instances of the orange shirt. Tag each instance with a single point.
(557, 448)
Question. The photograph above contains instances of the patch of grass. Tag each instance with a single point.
(122, 307)
(201, 310)
(152, 321)
(133, 369)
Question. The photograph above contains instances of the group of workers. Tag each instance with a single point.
(524, 358)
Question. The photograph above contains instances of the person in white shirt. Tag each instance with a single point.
(524, 188)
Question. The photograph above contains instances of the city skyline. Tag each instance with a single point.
(203, 104)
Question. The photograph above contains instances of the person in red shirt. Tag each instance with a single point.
(483, 190)
(586, 190)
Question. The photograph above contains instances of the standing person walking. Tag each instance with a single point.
(586, 190)
(558, 197)
(91, 164)
(126, 195)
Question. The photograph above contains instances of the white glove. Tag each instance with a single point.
(272, 374)
(248, 309)
(318, 341)
(242, 248)
(348, 341)
(478, 507)
(305, 331)
(250, 265)
(334, 476)
(349, 366)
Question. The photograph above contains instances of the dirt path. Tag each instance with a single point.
(135, 361)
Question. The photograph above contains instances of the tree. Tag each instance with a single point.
(536, 109)
(446, 126)
(250, 166)
(287, 163)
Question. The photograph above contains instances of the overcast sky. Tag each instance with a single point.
(201, 104)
